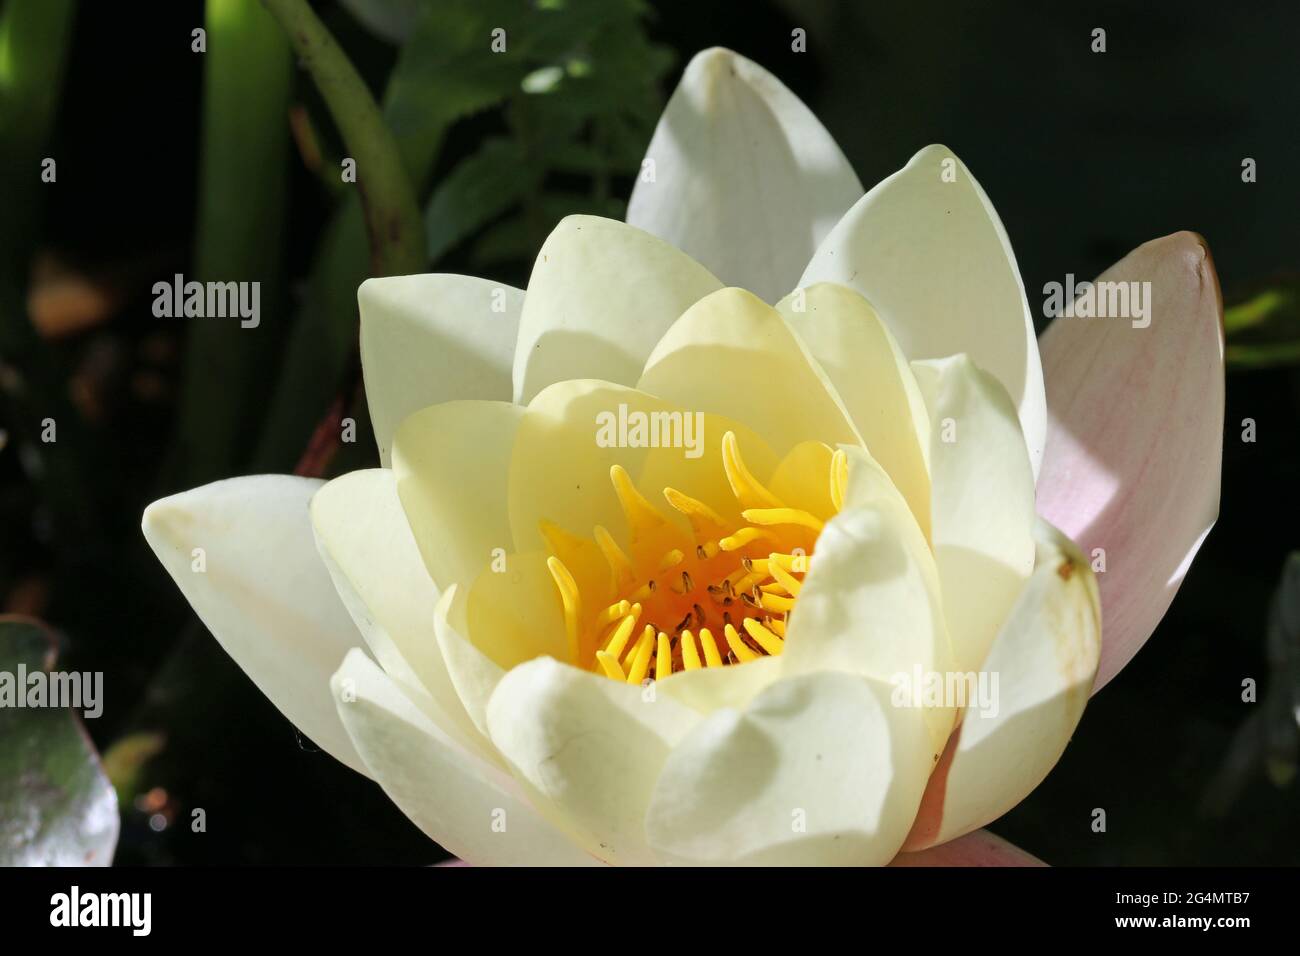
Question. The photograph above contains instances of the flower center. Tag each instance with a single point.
(727, 600)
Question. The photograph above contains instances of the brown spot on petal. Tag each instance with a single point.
(1065, 570)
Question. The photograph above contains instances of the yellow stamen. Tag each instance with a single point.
(734, 542)
(690, 658)
(794, 563)
(744, 485)
(671, 560)
(621, 633)
(765, 638)
(619, 564)
(663, 581)
(839, 478)
(568, 589)
(561, 543)
(642, 518)
(787, 580)
(706, 524)
(641, 662)
(738, 647)
(711, 656)
(610, 665)
(612, 614)
(775, 604)
(778, 516)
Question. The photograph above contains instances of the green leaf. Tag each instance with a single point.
(477, 191)
(124, 762)
(57, 807)
(608, 101)
(391, 20)
(1263, 330)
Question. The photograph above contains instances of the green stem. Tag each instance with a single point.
(242, 207)
(392, 214)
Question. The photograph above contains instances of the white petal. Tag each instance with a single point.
(817, 770)
(1044, 661)
(981, 501)
(872, 378)
(588, 750)
(741, 175)
(732, 354)
(262, 591)
(928, 251)
(369, 550)
(472, 809)
(871, 602)
(600, 296)
(427, 339)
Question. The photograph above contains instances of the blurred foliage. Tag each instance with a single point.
(445, 73)
(1263, 330)
(242, 204)
(57, 807)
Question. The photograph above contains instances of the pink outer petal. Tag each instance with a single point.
(977, 848)
(1135, 437)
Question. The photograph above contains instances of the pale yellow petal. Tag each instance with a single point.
(452, 463)
(369, 550)
(818, 770)
(588, 751)
(600, 296)
(427, 339)
(869, 371)
(981, 501)
(733, 355)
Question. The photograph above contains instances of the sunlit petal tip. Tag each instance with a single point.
(928, 251)
(600, 295)
(741, 175)
(265, 596)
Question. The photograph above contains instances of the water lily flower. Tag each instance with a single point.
(656, 544)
